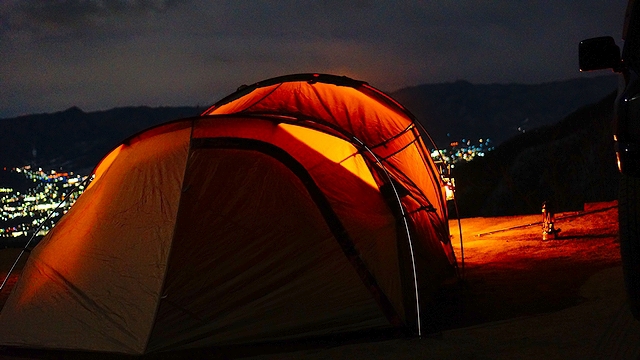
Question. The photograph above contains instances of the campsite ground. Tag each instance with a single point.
(521, 297)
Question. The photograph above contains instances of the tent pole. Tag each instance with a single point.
(455, 200)
(26, 247)
(455, 204)
(406, 227)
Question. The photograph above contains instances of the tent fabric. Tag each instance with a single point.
(359, 112)
(302, 206)
(109, 236)
(271, 285)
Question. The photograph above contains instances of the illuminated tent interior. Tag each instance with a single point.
(302, 206)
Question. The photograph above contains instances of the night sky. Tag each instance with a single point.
(100, 54)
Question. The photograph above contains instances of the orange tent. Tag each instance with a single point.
(300, 206)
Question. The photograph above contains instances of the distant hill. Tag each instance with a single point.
(465, 110)
(77, 140)
(73, 139)
(568, 163)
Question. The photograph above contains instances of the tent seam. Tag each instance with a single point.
(330, 217)
(173, 233)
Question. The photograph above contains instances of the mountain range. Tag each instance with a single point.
(76, 140)
(73, 140)
(552, 141)
(462, 110)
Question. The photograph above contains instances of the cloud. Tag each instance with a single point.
(101, 53)
(80, 11)
(58, 19)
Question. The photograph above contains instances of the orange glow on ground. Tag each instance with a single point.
(510, 271)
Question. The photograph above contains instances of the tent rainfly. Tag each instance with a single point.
(301, 206)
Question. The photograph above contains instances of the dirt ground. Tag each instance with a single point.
(520, 297)
(510, 271)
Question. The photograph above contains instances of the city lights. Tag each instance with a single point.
(457, 152)
(462, 151)
(49, 196)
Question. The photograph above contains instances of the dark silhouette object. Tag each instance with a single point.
(548, 222)
(603, 53)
